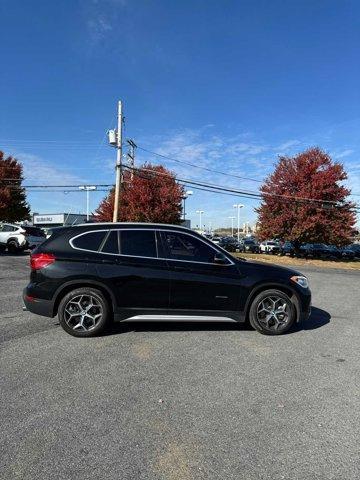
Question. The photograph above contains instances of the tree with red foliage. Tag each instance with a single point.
(13, 205)
(152, 195)
(289, 209)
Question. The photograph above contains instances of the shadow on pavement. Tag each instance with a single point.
(317, 319)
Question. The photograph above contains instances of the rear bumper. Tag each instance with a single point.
(38, 306)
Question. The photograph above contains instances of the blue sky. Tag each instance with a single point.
(225, 84)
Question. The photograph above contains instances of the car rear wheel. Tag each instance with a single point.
(272, 312)
(12, 246)
(84, 312)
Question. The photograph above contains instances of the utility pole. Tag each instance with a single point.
(118, 164)
(131, 156)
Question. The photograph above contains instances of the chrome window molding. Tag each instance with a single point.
(141, 256)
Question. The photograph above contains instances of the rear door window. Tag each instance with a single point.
(138, 243)
(89, 241)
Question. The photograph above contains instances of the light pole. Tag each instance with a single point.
(185, 196)
(87, 188)
(200, 212)
(232, 225)
(238, 206)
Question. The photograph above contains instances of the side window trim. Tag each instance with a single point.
(157, 234)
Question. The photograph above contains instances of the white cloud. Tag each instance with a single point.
(100, 18)
(41, 171)
(287, 145)
(343, 154)
(98, 28)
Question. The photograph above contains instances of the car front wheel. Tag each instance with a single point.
(272, 312)
(84, 312)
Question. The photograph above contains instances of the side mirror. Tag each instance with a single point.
(220, 259)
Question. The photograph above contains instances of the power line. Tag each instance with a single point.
(257, 195)
(213, 188)
(184, 162)
(199, 166)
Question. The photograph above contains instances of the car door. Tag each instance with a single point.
(131, 265)
(197, 284)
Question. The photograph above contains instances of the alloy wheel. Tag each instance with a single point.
(273, 312)
(83, 312)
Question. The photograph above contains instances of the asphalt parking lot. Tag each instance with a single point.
(182, 401)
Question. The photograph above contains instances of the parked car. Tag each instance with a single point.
(347, 253)
(17, 238)
(355, 247)
(230, 244)
(216, 239)
(34, 236)
(334, 253)
(89, 275)
(287, 248)
(248, 245)
(270, 246)
(319, 250)
(12, 238)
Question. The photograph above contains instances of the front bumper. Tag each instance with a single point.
(38, 306)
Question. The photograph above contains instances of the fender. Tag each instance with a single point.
(280, 286)
(80, 282)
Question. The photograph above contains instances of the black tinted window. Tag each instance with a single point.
(138, 243)
(185, 247)
(89, 241)
(36, 232)
(111, 244)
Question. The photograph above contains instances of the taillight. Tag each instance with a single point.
(41, 260)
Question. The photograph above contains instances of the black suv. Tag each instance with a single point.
(89, 275)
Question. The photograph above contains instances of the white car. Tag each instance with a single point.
(269, 246)
(215, 239)
(16, 238)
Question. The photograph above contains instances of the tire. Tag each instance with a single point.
(12, 246)
(263, 305)
(78, 318)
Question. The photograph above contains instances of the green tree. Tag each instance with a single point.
(13, 204)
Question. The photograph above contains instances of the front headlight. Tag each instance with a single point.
(300, 280)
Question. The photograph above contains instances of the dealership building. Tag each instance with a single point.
(49, 220)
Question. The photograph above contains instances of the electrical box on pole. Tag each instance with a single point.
(112, 136)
